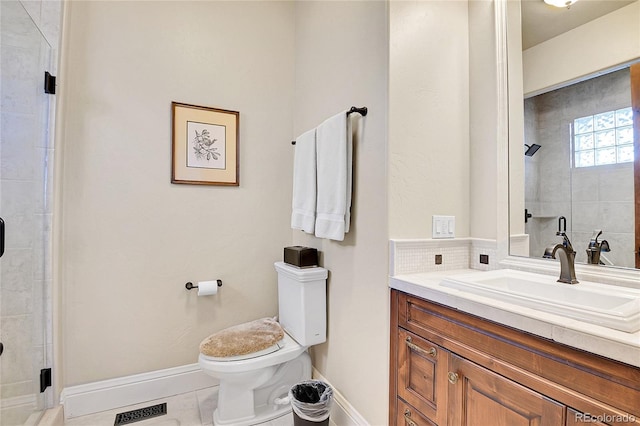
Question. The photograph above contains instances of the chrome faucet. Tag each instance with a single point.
(567, 255)
(567, 258)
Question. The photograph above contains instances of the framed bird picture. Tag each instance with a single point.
(204, 145)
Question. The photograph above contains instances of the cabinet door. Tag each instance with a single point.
(480, 397)
(422, 375)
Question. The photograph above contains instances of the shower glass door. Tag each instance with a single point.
(25, 266)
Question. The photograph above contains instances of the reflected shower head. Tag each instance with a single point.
(531, 149)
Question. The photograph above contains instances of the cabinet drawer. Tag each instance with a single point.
(409, 416)
(422, 368)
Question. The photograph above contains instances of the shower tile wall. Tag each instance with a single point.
(591, 197)
(26, 177)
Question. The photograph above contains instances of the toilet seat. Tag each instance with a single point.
(283, 351)
(247, 338)
(256, 354)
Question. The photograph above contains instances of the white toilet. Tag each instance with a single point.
(253, 385)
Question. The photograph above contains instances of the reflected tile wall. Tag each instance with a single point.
(594, 197)
(26, 159)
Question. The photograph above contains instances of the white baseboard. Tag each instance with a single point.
(342, 413)
(115, 393)
(110, 394)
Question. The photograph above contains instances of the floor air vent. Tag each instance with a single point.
(141, 414)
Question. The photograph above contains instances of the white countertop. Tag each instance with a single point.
(614, 344)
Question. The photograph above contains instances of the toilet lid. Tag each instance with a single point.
(289, 349)
(251, 339)
(267, 351)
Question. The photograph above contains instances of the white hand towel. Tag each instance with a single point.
(303, 214)
(334, 161)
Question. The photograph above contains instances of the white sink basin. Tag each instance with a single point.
(605, 305)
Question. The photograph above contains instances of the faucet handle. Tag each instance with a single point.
(562, 225)
(562, 232)
(566, 242)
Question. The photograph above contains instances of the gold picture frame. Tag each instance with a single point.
(204, 145)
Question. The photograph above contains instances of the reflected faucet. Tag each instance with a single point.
(567, 255)
(595, 248)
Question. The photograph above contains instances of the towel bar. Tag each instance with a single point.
(362, 111)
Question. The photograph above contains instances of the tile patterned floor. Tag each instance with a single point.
(189, 409)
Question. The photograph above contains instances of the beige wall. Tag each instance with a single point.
(516, 124)
(428, 116)
(341, 61)
(606, 42)
(482, 120)
(129, 238)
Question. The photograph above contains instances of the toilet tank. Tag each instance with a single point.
(302, 303)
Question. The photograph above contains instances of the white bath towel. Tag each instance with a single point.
(334, 161)
(303, 213)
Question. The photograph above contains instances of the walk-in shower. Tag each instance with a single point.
(26, 159)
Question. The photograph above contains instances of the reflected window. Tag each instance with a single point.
(605, 138)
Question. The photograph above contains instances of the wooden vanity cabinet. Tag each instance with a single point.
(449, 368)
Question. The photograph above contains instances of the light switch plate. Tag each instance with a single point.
(443, 226)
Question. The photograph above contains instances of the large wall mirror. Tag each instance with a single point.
(574, 162)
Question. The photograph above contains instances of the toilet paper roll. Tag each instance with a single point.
(207, 288)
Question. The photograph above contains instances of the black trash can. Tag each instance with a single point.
(311, 402)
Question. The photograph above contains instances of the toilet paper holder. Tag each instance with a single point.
(190, 285)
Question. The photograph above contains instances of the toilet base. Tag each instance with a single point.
(266, 399)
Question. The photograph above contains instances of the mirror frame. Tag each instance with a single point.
(619, 276)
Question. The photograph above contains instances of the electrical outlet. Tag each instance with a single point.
(443, 226)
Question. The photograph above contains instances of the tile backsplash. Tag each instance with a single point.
(414, 256)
